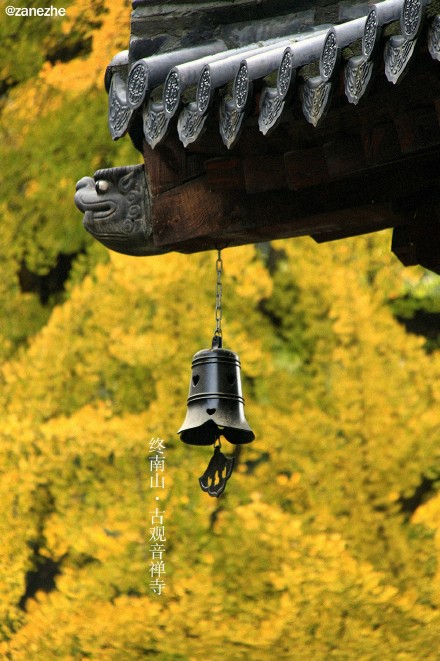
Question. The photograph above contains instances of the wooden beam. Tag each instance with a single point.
(264, 174)
(198, 215)
(418, 241)
(225, 174)
(417, 130)
(169, 165)
(305, 168)
(380, 142)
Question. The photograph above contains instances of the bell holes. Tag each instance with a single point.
(211, 411)
(231, 379)
(196, 379)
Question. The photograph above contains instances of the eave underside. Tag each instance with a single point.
(363, 165)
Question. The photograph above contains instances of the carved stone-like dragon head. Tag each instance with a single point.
(116, 209)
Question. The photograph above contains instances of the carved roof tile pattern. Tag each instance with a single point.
(192, 83)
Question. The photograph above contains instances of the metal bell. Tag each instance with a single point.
(215, 401)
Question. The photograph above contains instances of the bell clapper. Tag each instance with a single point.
(213, 480)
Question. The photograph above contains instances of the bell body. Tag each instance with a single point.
(215, 400)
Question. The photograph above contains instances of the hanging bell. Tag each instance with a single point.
(215, 401)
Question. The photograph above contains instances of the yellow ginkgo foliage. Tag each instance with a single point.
(325, 544)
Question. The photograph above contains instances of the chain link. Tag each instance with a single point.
(218, 296)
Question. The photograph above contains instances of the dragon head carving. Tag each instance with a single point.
(115, 203)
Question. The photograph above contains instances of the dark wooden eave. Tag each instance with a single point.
(352, 144)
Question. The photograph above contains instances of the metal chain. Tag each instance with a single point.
(218, 296)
